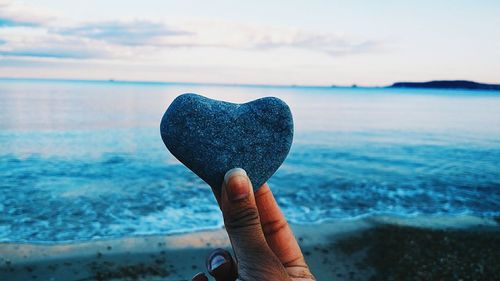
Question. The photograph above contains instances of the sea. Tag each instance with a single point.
(84, 160)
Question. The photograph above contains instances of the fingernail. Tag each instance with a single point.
(200, 277)
(237, 184)
(217, 261)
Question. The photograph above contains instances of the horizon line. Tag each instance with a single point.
(119, 81)
(145, 82)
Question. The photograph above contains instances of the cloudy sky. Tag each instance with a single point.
(262, 42)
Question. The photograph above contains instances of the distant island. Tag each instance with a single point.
(447, 84)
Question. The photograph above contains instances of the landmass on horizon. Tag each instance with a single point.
(447, 84)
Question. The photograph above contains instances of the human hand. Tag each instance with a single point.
(262, 240)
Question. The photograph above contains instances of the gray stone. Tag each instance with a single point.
(211, 137)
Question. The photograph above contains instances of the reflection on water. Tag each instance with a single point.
(85, 160)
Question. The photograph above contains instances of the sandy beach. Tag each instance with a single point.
(381, 248)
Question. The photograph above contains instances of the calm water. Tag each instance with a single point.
(82, 160)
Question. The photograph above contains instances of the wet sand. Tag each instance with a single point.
(381, 248)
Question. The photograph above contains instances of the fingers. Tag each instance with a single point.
(241, 218)
(221, 266)
(276, 230)
(278, 233)
(240, 213)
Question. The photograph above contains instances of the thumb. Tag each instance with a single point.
(241, 218)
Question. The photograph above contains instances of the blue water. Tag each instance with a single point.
(84, 160)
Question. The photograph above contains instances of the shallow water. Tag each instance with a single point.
(84, 160)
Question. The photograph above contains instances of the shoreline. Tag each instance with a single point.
(426, 221)
(341, 250)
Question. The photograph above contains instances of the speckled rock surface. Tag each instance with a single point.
(211, 137)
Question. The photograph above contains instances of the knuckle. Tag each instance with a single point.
(273, 227)
(247, 216)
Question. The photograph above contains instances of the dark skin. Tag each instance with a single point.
(263, 242)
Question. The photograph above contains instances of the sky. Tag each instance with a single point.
(364, 42)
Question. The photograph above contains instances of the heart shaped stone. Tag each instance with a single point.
(211, 137)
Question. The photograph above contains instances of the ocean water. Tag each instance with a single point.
(84, 160)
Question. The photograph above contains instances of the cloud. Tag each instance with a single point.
(26, 31)
(18, 14)
(249, 37)
(51, 52)
(132, 33)
(30, 42)
(334, 45)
